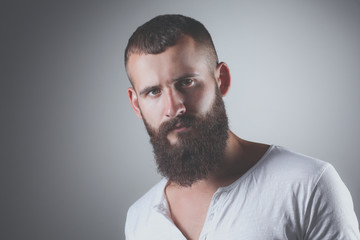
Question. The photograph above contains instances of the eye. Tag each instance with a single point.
(153, 92)
(187, 82)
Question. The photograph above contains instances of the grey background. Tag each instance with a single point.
(74, 156)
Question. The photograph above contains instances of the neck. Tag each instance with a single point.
(239, 157)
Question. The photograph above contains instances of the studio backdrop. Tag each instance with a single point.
(74, 155)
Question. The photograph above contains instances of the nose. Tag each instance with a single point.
(174, 104)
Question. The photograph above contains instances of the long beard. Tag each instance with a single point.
(197, 151)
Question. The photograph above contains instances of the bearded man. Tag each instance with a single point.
(217, 185)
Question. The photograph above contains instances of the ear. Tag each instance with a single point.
(134, 101)
(223, 78)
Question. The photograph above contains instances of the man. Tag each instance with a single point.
(217, 185)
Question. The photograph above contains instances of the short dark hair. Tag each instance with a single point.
(164, 31)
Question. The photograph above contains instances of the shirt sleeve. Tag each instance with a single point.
(330, 212)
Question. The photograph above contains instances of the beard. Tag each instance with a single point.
(197, 151)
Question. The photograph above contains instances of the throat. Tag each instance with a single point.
(188, 208)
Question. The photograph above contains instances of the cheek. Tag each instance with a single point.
(151, 112)
(201, 100)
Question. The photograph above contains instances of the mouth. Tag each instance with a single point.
(180, 128)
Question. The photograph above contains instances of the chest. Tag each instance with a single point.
(189, 212)
(223, 216)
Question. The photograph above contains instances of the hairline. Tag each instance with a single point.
(208, 50)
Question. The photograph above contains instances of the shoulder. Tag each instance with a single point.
(286, 171)
(280, 162)
(142, 209)
(321, 196)
(150, 198)
(331, 205)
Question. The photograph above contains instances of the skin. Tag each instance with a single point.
(177, 81)
(180, 81)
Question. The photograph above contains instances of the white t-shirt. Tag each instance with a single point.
(286, 195)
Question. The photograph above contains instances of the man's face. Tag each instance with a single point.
(176, 94)
(197, 151)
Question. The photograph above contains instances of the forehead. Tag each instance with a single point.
(186, 57)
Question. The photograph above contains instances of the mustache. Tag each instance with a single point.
(182, 121)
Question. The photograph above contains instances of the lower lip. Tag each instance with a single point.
(182, 129)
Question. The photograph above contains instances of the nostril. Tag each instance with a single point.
(181, 111)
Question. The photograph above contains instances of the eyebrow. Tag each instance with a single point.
(148, 89)
(187, 75)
